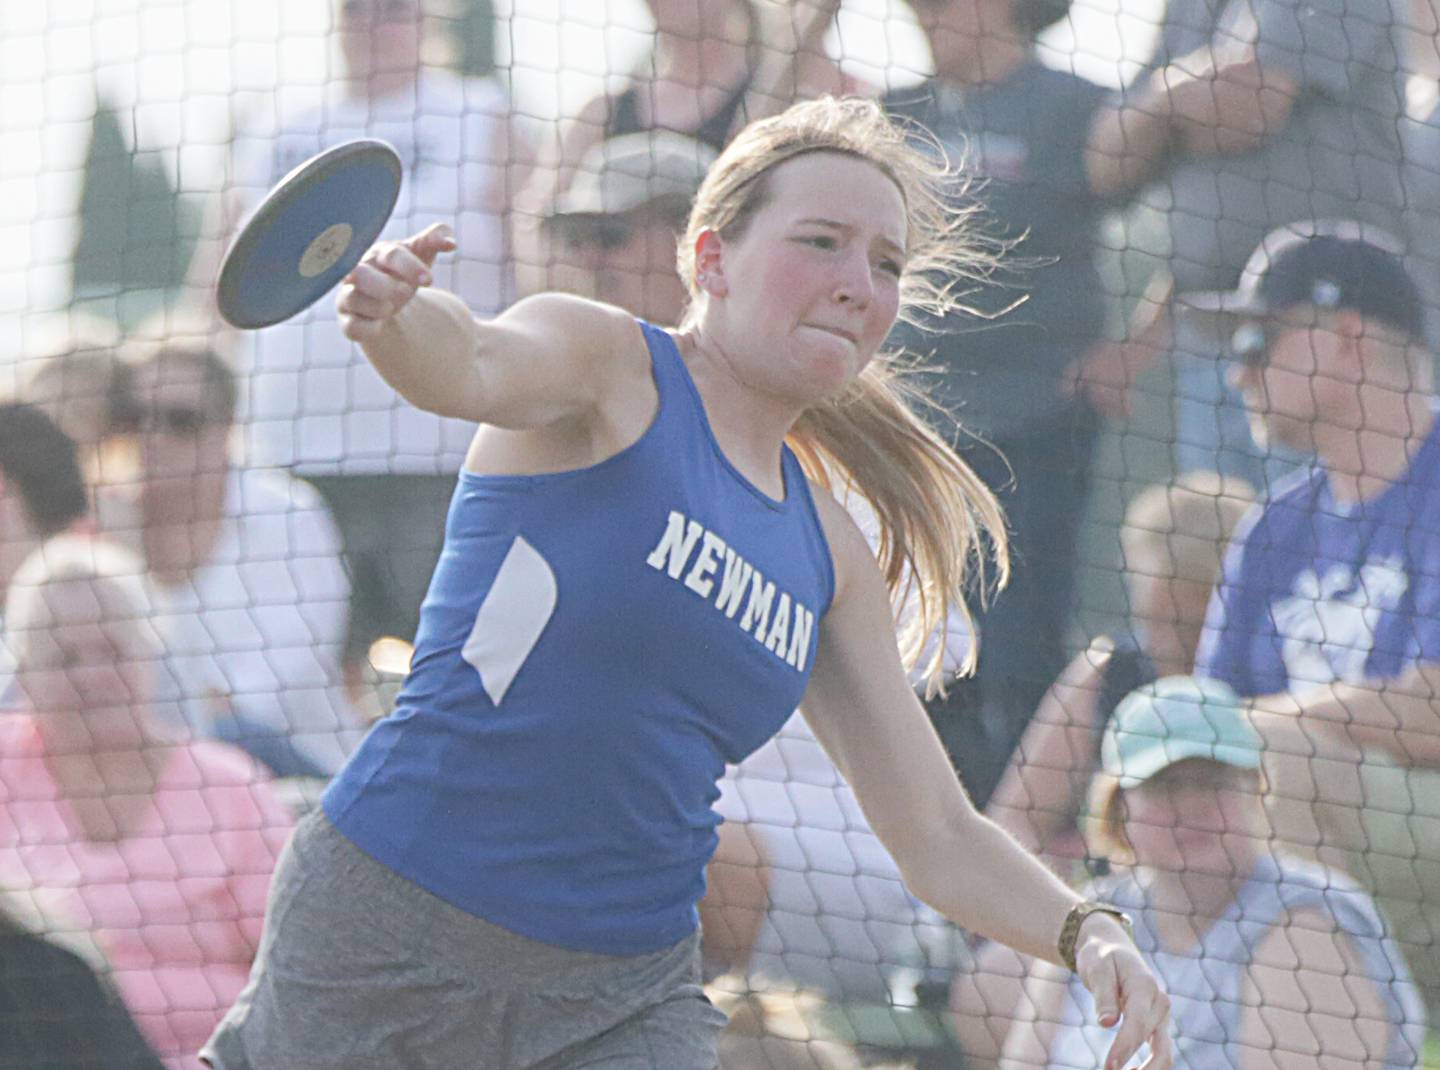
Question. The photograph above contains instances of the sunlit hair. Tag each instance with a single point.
(1181, 529)
(935, 514)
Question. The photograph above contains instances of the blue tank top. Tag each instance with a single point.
(594, 647)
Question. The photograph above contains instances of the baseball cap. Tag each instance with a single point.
(1326, 263)
(1176, 718)
(629, 171)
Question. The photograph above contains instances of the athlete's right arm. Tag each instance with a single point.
(539, 363)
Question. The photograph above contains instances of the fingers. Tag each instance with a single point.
(1142, 1011)
(1104, 986)
(431, 242)
(1126, 992)
(386, 279)
(1162, 1050)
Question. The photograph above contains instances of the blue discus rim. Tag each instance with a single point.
(308, 233)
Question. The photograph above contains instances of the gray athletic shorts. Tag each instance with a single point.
(362, 969)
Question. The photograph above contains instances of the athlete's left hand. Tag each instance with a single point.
(1126, 994)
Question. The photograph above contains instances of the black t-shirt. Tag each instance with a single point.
(1021, 143)
(56, 1014)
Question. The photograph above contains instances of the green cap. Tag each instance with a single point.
(1173, 719)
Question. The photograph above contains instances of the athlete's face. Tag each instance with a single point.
(812, 287)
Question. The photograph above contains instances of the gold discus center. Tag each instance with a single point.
(328, 247)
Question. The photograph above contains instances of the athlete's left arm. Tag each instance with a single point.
(1400, 716)
(864, 712)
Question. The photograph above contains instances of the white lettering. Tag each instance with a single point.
(733, 583)
(771, 623)
(676, 545)
(757, 610)
(779, 626)
(699, 579)
(800, 637)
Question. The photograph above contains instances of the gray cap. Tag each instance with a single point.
(628, 172)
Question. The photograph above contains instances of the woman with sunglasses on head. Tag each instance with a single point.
(640, 583)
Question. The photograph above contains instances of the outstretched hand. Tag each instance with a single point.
(1126, 994)
(386, 279)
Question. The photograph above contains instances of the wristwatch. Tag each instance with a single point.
(1070, 930)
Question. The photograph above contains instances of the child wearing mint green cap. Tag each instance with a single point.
(1234, 928)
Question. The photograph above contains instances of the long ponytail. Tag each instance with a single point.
(942, 532)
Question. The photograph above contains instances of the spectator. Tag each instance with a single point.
(311, 403)
(248, 566)
(710, 67)
(162, 848)
(617, 226)
(42, 493)
(1018, 126)
(1421, 138)
(713, 67)
(1328, 616)
(80, 383)
(1268, 959)
(1173, 539)
(1253, 114)
(56, 1012)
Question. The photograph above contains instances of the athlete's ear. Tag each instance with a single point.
(710, 264)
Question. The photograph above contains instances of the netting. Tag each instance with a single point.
(214, 545)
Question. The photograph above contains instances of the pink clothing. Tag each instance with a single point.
(176, 905)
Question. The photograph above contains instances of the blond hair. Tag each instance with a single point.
(937, 518)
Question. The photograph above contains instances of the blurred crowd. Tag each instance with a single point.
(214, 545)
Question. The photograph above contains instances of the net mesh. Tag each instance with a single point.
(260, 514)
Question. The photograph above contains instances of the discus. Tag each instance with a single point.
(308, 233)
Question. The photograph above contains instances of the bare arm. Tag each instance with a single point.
(1047, 774)
(548, 359)
(1400, 717)
(864, 713)
(1309, 1001)
(1202, 105)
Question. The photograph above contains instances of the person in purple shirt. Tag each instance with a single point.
(1328, 613)
(1331, 590)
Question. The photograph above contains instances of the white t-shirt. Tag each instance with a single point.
(840, 919)
(312, 401)
(261, 626)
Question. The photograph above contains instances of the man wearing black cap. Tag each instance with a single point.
(1328, 614)
(1331, 593)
